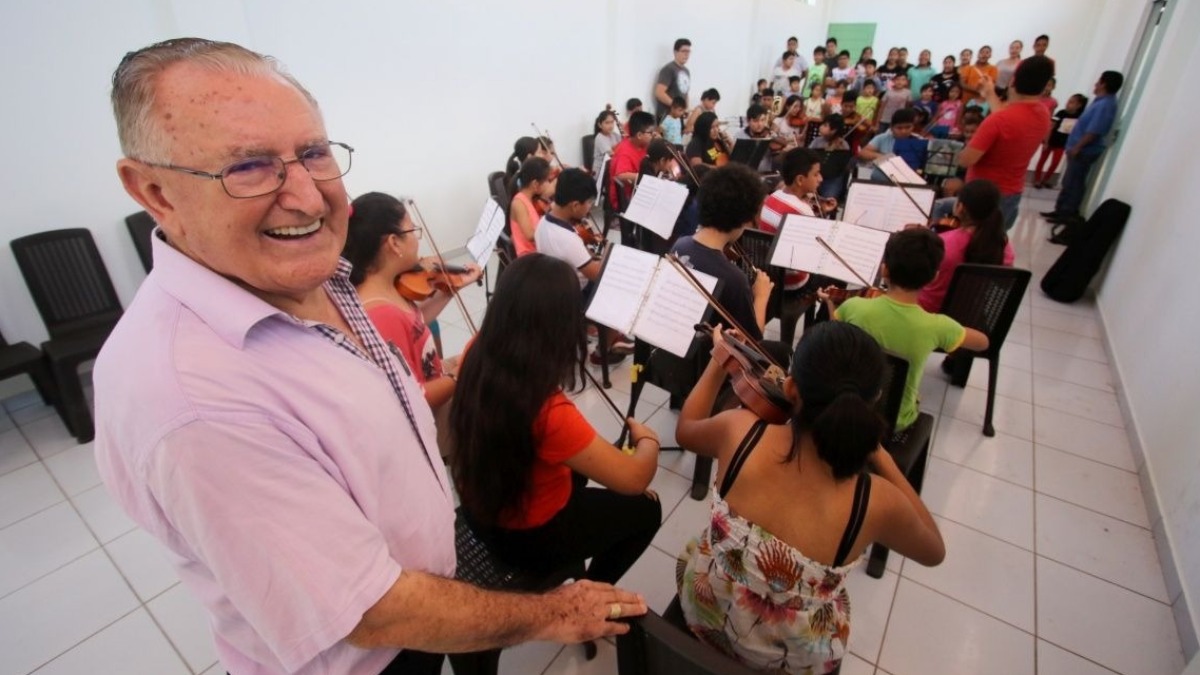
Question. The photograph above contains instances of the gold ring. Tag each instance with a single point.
(614, 610)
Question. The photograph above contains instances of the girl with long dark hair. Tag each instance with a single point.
(796, 508)
(980, 238)
(523, 452)
(706, 146)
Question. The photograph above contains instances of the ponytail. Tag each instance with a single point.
(522, 149)
(838, 369)
(981, 204)
(846, 431)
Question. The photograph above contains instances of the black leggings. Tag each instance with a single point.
(611, 529)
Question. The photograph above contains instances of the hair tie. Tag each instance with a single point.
(847, 388)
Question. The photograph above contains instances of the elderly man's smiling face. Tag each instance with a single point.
(285, 243)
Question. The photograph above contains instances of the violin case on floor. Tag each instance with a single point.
(1090, 242)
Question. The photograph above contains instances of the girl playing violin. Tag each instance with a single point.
(524, 452)
(382, 243)
(979, 238)
(534, 187)
(707, 146)
(796, 508)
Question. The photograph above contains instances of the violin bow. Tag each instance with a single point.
(903, 189)
(554, 152)
(842, 260)
(691, 278)
(412, 203)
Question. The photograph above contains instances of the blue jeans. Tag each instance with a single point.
(1009, 205)
(1074, 182)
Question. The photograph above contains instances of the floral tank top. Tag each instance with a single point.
(759, 600)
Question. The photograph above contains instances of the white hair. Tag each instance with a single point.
(135, 80)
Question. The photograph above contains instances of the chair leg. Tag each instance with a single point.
(700, 477)
(877, 563)
(993, 371)
(44, 383)
(73, 405)
(476, 663)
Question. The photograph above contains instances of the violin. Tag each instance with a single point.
(945, 224)
(430, 276)
(756, 381)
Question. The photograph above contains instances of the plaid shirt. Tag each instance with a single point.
(345, 298)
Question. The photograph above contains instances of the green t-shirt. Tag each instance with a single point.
(816, 75)
(908, 332)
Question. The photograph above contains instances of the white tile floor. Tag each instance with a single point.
(1050, 566)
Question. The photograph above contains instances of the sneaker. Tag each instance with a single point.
(613, 358)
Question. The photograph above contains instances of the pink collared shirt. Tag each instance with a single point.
(278, 465)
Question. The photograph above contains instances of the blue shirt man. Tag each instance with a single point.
(1085, 145)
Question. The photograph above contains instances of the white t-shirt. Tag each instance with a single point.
(557, 241)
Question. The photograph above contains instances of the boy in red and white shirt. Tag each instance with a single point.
(801, 172)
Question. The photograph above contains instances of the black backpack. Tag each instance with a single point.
(1090, 241)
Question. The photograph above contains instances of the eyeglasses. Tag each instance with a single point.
(416, 232)
(258, 176)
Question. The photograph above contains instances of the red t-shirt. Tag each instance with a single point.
(561, 432)
(627, 158)
(407, 331)
(777, 205)
(1008, 138)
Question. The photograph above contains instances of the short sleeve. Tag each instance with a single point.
(986, 135)
(665, 76)
(950, 333)
(848, 310)
(293, 552)
(1102, 121)
(562, 430)
(396, 327)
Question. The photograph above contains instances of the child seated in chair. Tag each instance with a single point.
(897, 321)
(897, 140)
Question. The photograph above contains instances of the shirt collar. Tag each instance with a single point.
(230, 310)
(559, 221)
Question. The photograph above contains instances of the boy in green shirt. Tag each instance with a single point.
(817, 71)
(898, 323)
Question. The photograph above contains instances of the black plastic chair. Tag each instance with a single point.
(23, 358)
(141, 229)
(910, 447)
(75, 296)
(663, 645)
(589, 151)
(479, 566)
(986, 298)
(504, 246)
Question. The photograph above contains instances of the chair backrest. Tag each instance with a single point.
(892, 391)
(498, 189)
(141, 228)
(757, 246)
(654, 646)
(986, 298)
(589, 150)
(68, 281)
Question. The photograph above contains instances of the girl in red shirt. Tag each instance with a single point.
(523, 452)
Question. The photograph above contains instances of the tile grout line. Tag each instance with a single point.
(1033, 477)
(85, 639)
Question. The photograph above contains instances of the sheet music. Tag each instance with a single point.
(656, 205)
(487, 231)
(899, 170)
(868, 204)
(861, 247)
(622, 287)
(796, 247)
(668, 319)
(600, 173)
(885, 207)
(1067, 125)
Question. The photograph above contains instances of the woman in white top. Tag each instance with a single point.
(1005, 68)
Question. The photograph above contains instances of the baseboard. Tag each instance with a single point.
(1180, 608)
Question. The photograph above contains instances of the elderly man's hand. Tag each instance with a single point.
(587, 610)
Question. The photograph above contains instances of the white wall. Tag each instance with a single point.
(1152, 334)
(432, 95)
(946, 27)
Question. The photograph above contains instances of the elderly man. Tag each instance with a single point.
(251, 418)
